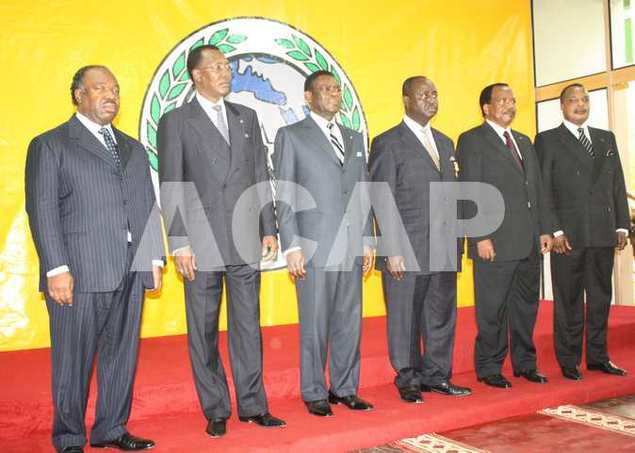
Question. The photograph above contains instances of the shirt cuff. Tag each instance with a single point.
(292, 249)
(180, 250)
(157, 263)
(622, 230)
(58, 270)
(558, 233)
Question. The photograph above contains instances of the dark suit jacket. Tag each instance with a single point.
(192, 150)
(587, 196)
(398, 158)
(303, 155)
(483, 157)
(80, 207)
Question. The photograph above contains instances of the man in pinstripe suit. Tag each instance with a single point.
(90, 202)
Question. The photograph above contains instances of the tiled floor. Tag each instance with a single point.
(603, 426)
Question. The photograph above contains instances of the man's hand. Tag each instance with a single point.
(269, 248)
(60, 288)
(157, 277)
(545, 243)
(295, 264)
(368, 260)
(185, 262)
(620, 237)
(486, 250)
(561, 245)
(396, 266)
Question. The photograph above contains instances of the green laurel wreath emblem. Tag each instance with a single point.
(175, 80)
(313, 60)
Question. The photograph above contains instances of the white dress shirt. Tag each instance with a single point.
(94, 129)
(424, 135)
(209, 108)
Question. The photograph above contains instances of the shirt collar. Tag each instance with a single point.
(573, 128)
(92, 126)
(500, 130)
(416, 127)
(321, 121)
(208, 105)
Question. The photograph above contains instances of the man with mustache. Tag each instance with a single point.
(507, 261)
(420, 300)
(216, 147)
(584, 185)
(327, 160)
(90, 200)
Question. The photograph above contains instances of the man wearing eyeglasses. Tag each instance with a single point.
(584, 184)
(216, 147)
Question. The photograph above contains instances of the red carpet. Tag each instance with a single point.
(166, 409)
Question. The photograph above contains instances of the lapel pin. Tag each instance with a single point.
(246, 135)
(359, 154)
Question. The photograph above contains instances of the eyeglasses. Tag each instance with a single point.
(220, 67)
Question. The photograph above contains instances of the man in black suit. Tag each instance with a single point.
(90, 202)
(507, 261)
(421, 304)
(584, 186)
(216, 147)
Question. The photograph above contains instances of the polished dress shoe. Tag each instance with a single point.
(572, 373)
(495, 380)
(126, 442)
(216, 427)
(320, 408)
(446, 388)
(410, 394)
(531, 376)
(72, 449)
(606, 367)
(267, 420)
(353, 402)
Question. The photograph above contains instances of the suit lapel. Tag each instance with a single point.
(445, 153)
(600, 148)
(237, 134)
(123, 148)
(348, 143)
(211, 140)
(574, 147)
(500, 150)
(84, 139)
(316, 136)
(412, 142)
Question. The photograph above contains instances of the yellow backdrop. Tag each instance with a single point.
(462, 45)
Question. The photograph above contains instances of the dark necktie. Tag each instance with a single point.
(512, 149)
(337, 146)
(111, 146)
(585, 142)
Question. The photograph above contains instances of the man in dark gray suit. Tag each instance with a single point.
(421, 304)
(507, 261)
(327, 161)
(90, 202)
(584, 185)
(216, 146)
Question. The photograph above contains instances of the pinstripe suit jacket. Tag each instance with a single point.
(80, 206)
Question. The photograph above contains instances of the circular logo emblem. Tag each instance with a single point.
(269, 60)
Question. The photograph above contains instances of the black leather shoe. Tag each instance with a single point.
(606, 367)
(572, 373)
(446, 388)
(410, 394)
(72, 449)
(267, 420)
(353, 402)
(126, 442)
(495, 380)
(320, 408)
(216, 427)
(532, 376)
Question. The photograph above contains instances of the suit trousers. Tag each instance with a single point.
(106, 324)
(583, 270)
(506, 295)
(421, 308)
(330, 309)
(202, 306)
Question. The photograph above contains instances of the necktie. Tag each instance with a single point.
(585, 142)
(111, 146)
(512, 149)
(430, 149)
(337, 146)
(221, 125)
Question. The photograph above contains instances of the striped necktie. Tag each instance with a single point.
(111, 146)
(512, 149)
(586, 142)
(337, 146)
